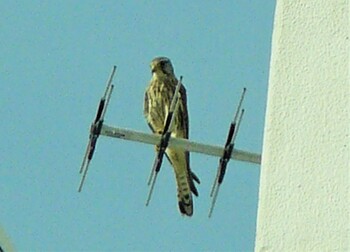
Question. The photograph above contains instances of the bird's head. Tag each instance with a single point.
(162, 66)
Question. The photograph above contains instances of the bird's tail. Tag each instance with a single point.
(184, 180)
(184, 194)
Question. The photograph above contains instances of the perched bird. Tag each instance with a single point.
(157, 102)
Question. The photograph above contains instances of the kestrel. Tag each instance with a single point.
(157, 102)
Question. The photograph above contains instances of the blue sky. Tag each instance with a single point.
(55, 59)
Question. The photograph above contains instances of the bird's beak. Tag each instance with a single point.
(153, 67)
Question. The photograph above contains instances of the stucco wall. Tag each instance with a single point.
(304, 198)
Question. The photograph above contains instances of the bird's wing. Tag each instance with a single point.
(146, 110)
(185, 121)
(185, 126)
(145, 104)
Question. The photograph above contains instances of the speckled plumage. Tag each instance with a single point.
(157, 102)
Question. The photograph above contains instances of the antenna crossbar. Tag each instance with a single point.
(181, 143)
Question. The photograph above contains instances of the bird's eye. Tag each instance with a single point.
(162, 64)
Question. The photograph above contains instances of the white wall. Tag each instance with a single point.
(304, 196)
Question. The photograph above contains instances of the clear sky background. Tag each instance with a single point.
(55, 59)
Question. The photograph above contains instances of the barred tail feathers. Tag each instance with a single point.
(184, 194)
(184, 181)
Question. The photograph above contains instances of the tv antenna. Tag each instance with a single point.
(165, 140)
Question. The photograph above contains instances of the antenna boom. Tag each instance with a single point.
(185, 144)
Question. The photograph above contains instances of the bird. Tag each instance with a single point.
(157, 100)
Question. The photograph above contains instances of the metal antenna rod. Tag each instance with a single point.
(85, 158)
(237, 126)
(232, 130)
(108, 98)
(102, 114)
(100, 111)
(95, 128)
(229, 146)
(239, 104)
(168, 123)
(221, 174)
(164, 140)
(215, 196)
(151, 188)
(160, 152)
